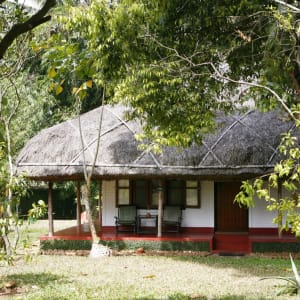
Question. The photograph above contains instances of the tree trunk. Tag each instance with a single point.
(97, 249)
(86, 200)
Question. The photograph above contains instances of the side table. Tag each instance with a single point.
(147, 229)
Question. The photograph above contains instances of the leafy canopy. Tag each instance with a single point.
(169, 60)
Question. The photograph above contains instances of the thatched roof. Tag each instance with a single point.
(244, 146)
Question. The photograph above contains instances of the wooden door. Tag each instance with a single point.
(229, 217)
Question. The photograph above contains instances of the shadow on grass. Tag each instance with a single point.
(179, 296)
(40, 280)
(256, 266)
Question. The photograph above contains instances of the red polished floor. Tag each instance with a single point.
(109, 233)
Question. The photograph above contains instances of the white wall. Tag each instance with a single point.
(109, 210)
(259, 216)
(192, 217)
(203, 217)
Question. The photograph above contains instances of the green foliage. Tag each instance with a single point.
(182, 119)
(65, 245)
(261, 247)
(285, 179)
(158, 57)
(121, 245)
(37, 211)
(246, 196)
(11, 191)
(158, 245)
(175, 90)
(64, 208)
(293, 283)
(67, 64)
(20, 115)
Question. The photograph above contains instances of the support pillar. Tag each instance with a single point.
(279, 196)
(78, 204)
(100, 205)
(160, 209)
(50, 209)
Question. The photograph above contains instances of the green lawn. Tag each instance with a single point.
(144, 277)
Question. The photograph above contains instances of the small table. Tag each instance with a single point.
(147, 229)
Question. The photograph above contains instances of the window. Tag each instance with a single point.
(175, 192)
(183, 193)
(144, 193)
(140, 193)
(123, 192)
(192, 188)
(154, 192)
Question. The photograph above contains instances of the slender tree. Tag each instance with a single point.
(16, 25)
(12, 187)
(97, 249)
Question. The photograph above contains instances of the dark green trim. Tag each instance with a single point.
(275, 247)
(65, 245)
(154, 245)
(121, 245)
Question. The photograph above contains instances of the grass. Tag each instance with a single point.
(144, 277)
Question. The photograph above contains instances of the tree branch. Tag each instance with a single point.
(217, 75)
(294, 8)
(99, 135)
(37, 19)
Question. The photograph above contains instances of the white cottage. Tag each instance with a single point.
(202, 179)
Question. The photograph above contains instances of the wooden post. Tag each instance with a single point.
(100, 205)
(279, 196)
(78, 204)
(160, 208)
(50, 209)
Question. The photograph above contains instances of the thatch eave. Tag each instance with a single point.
(113, 172)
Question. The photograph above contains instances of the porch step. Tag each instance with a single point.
(231, 243)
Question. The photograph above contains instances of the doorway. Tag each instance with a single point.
(229, 216)
(231, 220)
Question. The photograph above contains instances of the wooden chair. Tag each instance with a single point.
(171, 220)
(126, 218)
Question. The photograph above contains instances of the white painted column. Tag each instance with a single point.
(160, 208)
